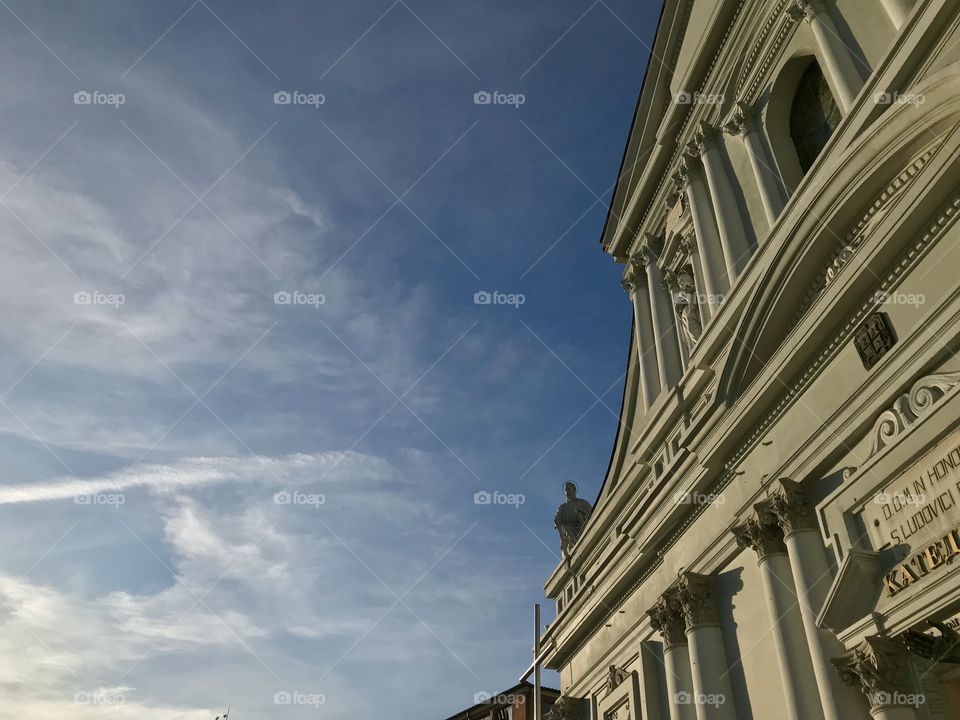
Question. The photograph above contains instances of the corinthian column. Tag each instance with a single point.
(661, 313)
(713, 697)
(839, 62)
(733, 236)
(880, 668)
(690, 177)
(667, 617)
(635, 283)
(745, 123)
(793, 658)
(811, 578)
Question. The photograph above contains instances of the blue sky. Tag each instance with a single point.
(160, 402)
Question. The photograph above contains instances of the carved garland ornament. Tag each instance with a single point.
(910, 407)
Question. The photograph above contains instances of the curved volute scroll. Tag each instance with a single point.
(910, 407)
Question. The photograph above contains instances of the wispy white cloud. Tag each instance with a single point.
(193, 472)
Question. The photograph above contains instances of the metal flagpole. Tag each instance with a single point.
(537, 702)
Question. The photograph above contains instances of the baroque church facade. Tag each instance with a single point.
(778, 531)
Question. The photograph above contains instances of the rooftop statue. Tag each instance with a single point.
(571, 518)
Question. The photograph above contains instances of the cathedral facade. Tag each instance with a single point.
(778, 531)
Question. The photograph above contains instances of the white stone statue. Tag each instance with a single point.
(688, 315)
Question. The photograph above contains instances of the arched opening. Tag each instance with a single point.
(814, 115)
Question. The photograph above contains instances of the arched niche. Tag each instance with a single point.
(781, 115)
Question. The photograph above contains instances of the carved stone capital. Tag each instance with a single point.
(667, 617)
(763, 538)
(880, 668)
(705, 137)
(649, 250)
(792, 508)
(801, 10)
(695, 593)
(743, 121)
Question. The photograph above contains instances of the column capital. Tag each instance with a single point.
(790, 504)
(879, 667)
(763, 538)
(705, 136)
(802, 9)
(695, 593)
(667, 618)
(634, 278)
(744, 119)
(649, 251)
